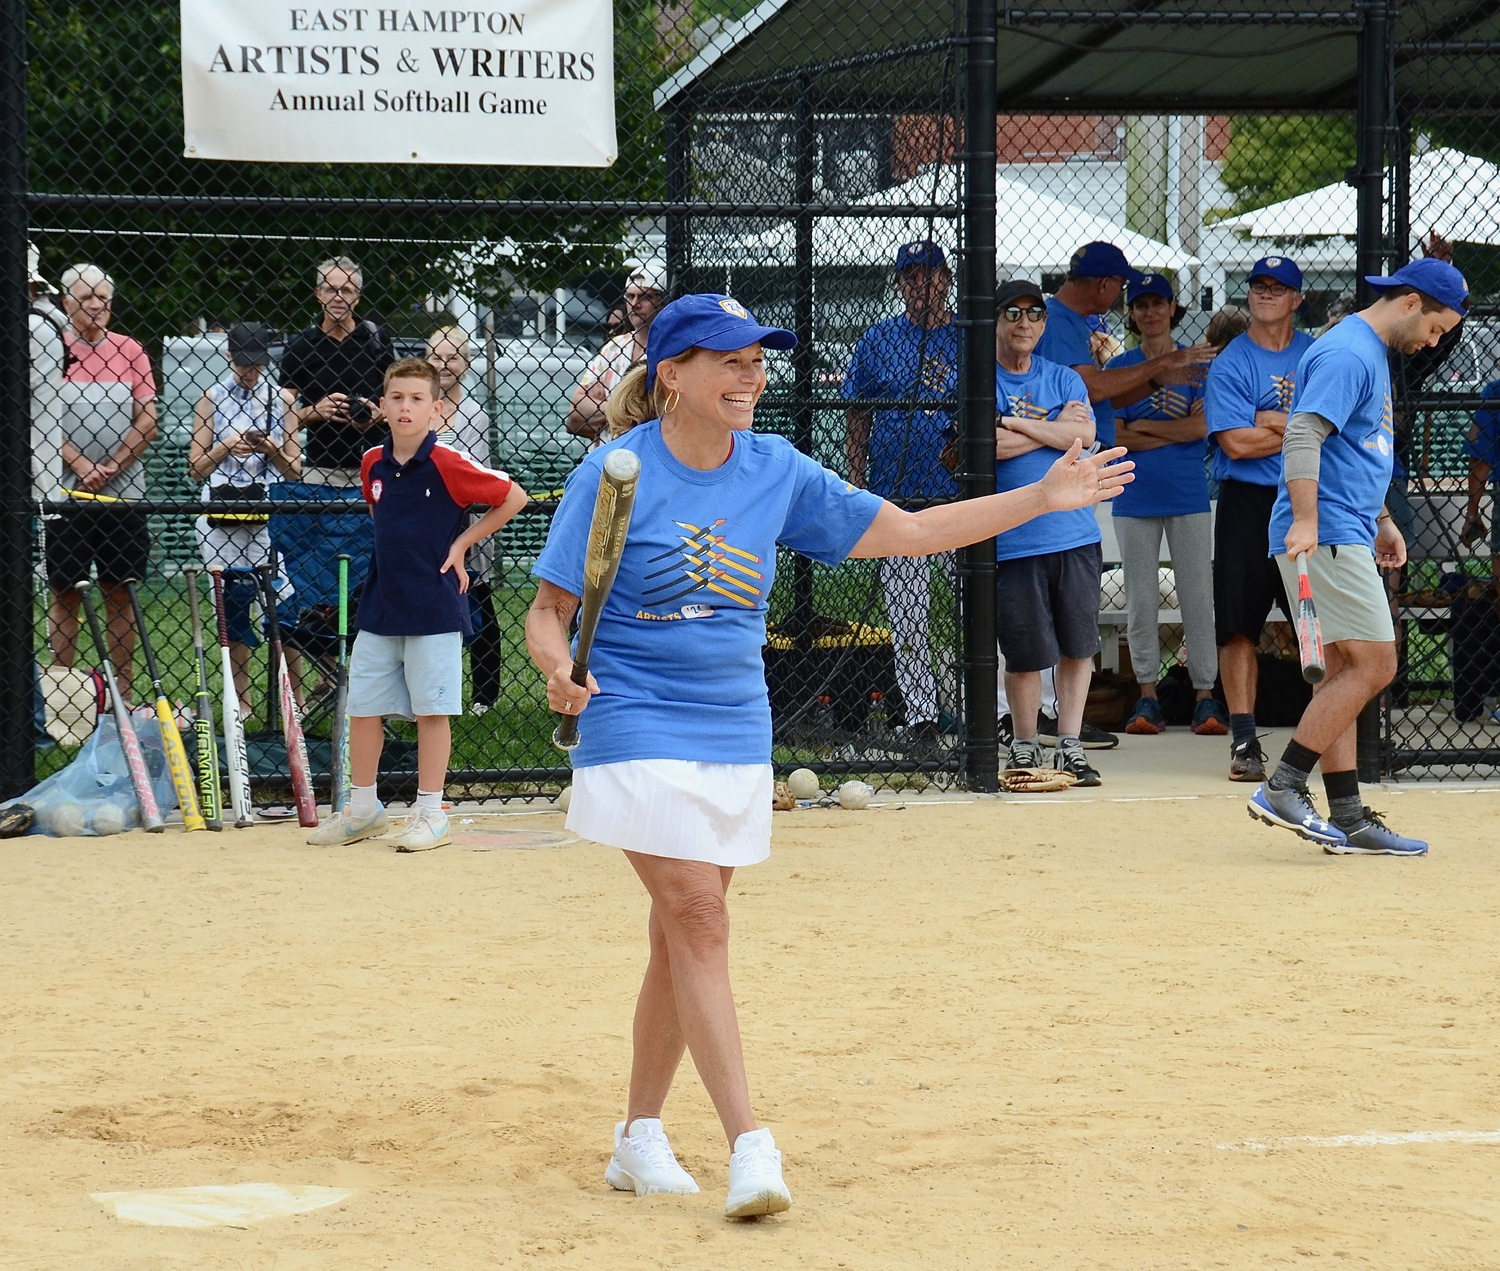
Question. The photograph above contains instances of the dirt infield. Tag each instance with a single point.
(1064, 1034)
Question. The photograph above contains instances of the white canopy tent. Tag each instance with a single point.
(1456, 194)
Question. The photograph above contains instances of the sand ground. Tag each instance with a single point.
(1072, 1033)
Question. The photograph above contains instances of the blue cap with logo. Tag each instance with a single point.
(707, 320)
(1282, 269)
(922, 252)
(1102, 260)
(1432, 277)
(1150, 285)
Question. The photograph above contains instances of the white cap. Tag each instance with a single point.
(649, 274)
(34, 267)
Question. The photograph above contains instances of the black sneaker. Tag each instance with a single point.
(1247, 762)
(1073, 760)
(1007, 730)
(1090, 736)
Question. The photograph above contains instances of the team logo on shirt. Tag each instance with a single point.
(376, 486)
(1284, 386)
(704, 561)
(1380, 441)
(1170, 402)
(1025, 408)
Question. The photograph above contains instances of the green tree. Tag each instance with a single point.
(1275, 157)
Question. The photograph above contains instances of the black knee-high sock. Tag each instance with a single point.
(1345, 807)
(1297, 763)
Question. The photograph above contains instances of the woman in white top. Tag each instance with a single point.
(241, 445)
(466, 427)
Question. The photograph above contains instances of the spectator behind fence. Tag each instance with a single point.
(107, 420)
(894, 451)
(242, 445)
(1166, 435)
(334, 371)
(645, 293)
(1047, 571)
(674, 758)
(466, 427)
(46, 357)
(1482, 447)
(1249, 389)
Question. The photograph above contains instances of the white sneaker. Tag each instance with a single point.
(425, 829)
(644, 1162)
(755, 1183)
(342, 829)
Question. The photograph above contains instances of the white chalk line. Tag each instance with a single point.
(1366, 1140)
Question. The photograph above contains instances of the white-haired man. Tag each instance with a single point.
(645, 294)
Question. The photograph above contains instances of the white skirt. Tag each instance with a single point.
(719, 813)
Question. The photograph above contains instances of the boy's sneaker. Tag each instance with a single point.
(424, 830)
(1090, 736)
(1247, 762)
(1072, 759)
(1293, 810)
(644, 1162)
(1210, 719)
(755, 1183)
(341, 828)
(1024, 754)
(1146, 719)
(1007, 729)
(1373, 837)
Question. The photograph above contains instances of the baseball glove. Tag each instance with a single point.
(1035, 780)
(16, 819)
(782, 799)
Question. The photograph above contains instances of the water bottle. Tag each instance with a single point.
(875, 716)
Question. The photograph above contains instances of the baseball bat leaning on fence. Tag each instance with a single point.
(340, 795)
(1309, 629)
(171, 739)
(234, 727)
(606, 544)
(130, 743)
(206, 753)
(291, 716)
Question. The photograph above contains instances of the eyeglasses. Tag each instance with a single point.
(1273, 289)
(346, 292)
(1014, 313)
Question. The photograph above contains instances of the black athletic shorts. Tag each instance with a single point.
(115, 539)
(1246, 580)
(1048, 607)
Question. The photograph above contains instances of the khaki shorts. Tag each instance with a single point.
(1348, 591)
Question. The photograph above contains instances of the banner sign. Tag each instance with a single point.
(530, 82)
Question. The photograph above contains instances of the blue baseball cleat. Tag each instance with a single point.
(1373, 837)
(1293, 810)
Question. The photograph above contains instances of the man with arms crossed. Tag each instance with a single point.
(1330, 511)
(1245, 399)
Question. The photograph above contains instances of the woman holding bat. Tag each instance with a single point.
(673, 765)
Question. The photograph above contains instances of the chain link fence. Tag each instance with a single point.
(198, 314)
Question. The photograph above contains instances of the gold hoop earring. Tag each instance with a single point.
(672, 399)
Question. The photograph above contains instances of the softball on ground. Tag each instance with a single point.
(564, 798)
(109, 818)
(65, 820)
(855, 795)
(803, 783)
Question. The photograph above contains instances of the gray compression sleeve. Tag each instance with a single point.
(1302, 447)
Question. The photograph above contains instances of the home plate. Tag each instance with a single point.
(237, 1205)
(511, 840)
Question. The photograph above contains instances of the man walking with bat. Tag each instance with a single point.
(1329, 518)
(673, 762)
(408, 656)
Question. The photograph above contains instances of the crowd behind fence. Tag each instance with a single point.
(801, 211)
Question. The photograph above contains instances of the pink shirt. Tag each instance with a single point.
(116, 359)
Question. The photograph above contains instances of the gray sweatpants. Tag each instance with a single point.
(1190, 546)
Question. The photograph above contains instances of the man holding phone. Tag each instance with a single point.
(335, 371)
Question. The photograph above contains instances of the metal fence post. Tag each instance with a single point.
(17, 688)
(977, 406)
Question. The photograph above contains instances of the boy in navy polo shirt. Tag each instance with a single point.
(413, 616)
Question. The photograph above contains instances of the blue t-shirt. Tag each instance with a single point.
(1243, 379)
(678, 650)
(1039, 394)
(1484, 435)
(1170, 480)
(895, 359)
(1346, 378)
(1066, 341)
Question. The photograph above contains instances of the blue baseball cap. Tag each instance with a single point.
(1282, 269)
(1102, 260)
(1432, 277)
(707, 320)
(922, 252)
(1151, 285)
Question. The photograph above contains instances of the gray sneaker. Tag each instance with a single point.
(341, 828)
(1024, 754)
(424, 830)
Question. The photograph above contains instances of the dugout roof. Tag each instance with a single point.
(1213, 56)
